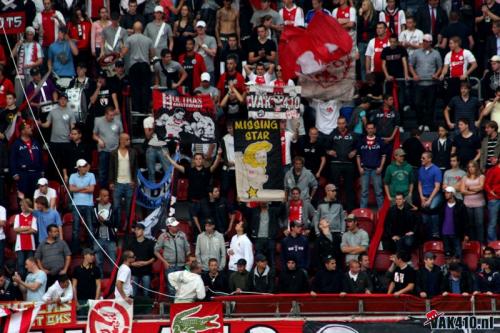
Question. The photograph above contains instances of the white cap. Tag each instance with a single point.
(159, 9)
(81, 163)
(201, 24)
(450, 189)
(427, 37)
(205, 77)
(43, 181)
(30, 30)
(495, 58)
(172, 222)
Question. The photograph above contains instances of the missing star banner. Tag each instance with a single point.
(258, 161)
(270, 102)
(186, 119)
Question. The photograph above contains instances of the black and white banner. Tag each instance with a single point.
(269, 102)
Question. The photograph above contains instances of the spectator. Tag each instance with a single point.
(373, 54)
(317, 6)
(79, 30)
(429, 278)
(492, 109)
(366, 27)
(61, 53)
(263, 49)
(8, 291)
(488, 279)
(395, 66)
(371, 157)
(411, 38)
(231, 77)
(104, 229)
(240, 247)
(341, 149)
(45, 217)
(429, 185)
(104, 96)
(490, 85)
(29, 55)
(472, 186)
(331, 211)
(492, 189)
(76, 150)
(47, 23)
(33, 288)
(425, 67)
(295, 245)
(358, 120)
(431, 18)
(86, 279)
(466, 145)
(96, 36)
(354, 240)
(293, 279)
(106, 133)
(328, 280)
(364, 261)
(142, 268)
(210, 246)
(458, 29)
(457, 281)
(228, 175)
(227, 24)
(300, 210)
(404, 277)
(169, 73)
(266, 10)
(46, 191)
(232, 49)
(302, 178)
(490, 147)
(219, 210)
(113, 38)
(238, 280)
(194, 65)
(123, 287)
(214, 279)
(130, 15)
(206, 46)
(291, 14)
(355, 280)
(81, 184)
(441, 148)
(25, 226)
(464, 107)
(393, 17)
(453, 176)
(53, 255)
(345, 15)
(160, 32)
(188, 284)
(328, 242)
(399, 177)
(175, 247)
(261, 76)
(454, 223)
(206, 88)
(261, 277)
(400, 226)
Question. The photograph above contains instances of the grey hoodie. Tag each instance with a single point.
(334, 213)
(306, 182)
(210, 246)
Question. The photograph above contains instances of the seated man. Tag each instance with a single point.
(354, 240)
(429, 278)
(457, 281)
(215, 281)
(488, 279)
(292, 279)
(238, 280)
(356, 281)
(261, 277)
(328, 280)
(404, 276)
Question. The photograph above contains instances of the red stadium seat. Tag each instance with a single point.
(495, 245)
(437, 248)
(471, 252)
(157, 266)
(472, 247)
(366, 219)
(94, 165)
(185, 227)
(57, 187)
(182, 189)
(382, 261)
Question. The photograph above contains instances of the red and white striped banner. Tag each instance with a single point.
(18, 320)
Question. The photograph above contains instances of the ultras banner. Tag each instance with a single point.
(186, 119)
(269, 102)
(258, 161)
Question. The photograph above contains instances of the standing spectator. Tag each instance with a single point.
(373, 54)
(456, 28)
(210, 245)
(453, 176)
(104, 229)
(328, 280)
(492, 189)
(79, 30)
(298, 210)
(105, 95)
(26, 164)
(81, 184)
(345, 14)
(142, 267)
(228, 174)
(188, 284)
(425, 67)
(466, 144)
(106, 133)
(113, 38)
(123, 178)
(404, 277)
(393, 17)
(130, 15)
(355, 280)
(364, 261)
(206, 88)
(214, 279)
(302, 178)
(263, 49)
(354, 240)
(231, 76)
(53, 255)
(472, 189)
(77, 149)
(160, 32)
(330, 210)
(317, 6)
(261, 277)
(219, 210)
(295, 245)
(429, 186)
(411, 38)
(35, 284)
(400, 226)
(238, 280)
(60, 55)
(341, 150)
(123, 287)
(490, 146)
(25, 226)
(328, 242)
(86, 279)
(441, 149)
(175, 247)
(464, 106)
(46, 191)
(240, 247)
(399, 177)
(169, 73)
(292, 279)
(386, 120)
(194, 65)
(454, 223)
(96, 36)
(457, 281)
(47, 24)
(358, 119)
(431, 18)
(395, 66)
(366, 27)
(266, 10)
(8, 291)
(228, 24)
(429, 278)
(29, 55)
(141, 50)
(291, 14)
(371, 157)
(206, 46)
(45, 216)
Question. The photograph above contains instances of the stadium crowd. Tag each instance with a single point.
(424, 68)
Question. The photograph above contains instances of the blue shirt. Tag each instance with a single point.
(428, 177)
(82, 199)
(60, 51)
(43, 220)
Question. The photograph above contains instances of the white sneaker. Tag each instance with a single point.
(421, 127)
(426, 129)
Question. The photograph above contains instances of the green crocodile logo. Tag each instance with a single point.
(183, 321)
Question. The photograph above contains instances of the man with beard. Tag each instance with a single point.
(194, 65)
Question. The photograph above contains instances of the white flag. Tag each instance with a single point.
(19, 320)
(110, 315)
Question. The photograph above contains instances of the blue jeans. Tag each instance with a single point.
(88, 217)
(476, 223)
(21, 258)
(154, 154)
(430, 217)
(109, 247)
(103, 168)
(452, 245)
(362, 50)
(144, 281)
(493, 207)
(171, 269)
(122, 192)
(371, 174)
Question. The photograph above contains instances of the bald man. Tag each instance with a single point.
(141, 50)
(122, 177)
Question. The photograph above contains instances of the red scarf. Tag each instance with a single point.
(29, 144)
(295, 211)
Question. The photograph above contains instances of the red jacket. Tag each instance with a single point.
(198, 68)
(80, 33)
(492, 183)
(223, 86)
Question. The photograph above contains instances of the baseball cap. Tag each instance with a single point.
(209, 221)
(205, 77)
(201, 24)
(63, 94)
(140, 226)
(495, 58)
(34, 71)
(30, 30)
(43, 181)
(80, 163)
(172, 222)
(399, 152)
(450, 189)
(429, 255)
(351, 217)
(260, 257)
(241, 262)
(427, 37)
(330, 187)
(88, 251)
(102, 74)
(159, 9)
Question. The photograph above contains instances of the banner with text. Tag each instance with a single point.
(109, 316)
(269, 102)
(186, 119)
(12, 16)
(324, 327)
(196, 317)
(258, 160)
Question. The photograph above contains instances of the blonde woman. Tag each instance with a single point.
(472, 190)
(365, 27)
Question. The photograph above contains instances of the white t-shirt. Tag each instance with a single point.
(3, 217)
(414, 37)
(124, 275)
(149, 122)
(327, 114)
(51, 193)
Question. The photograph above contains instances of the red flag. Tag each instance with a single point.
(197, 317)
(18, 320)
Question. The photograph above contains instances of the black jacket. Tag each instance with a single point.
(261, 283)
(362, 283)
(328, 282)
(441, 155)
(293, 281)
(275, 220)
(218, 284)
(466, 283)
(398, 223)
(423, 19)
(113, 165)
(460, 218)
(326, 247)
(429, 281)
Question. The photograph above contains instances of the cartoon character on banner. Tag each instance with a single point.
(253, 162)
(203, 127)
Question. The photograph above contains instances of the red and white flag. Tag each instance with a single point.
(18, 320)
